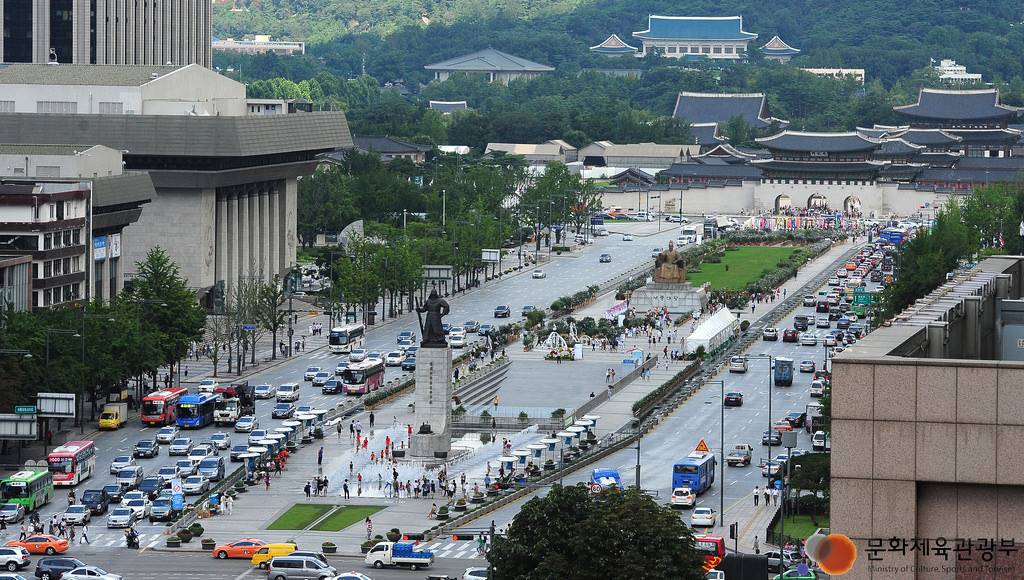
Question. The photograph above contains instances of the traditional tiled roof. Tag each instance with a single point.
(614, 45)
(957, 105)
(712, 171)
(695, 28)
(838, 167)
(827, 142)
(927, 137)
(698, 108)
(726, 153)
(955, 173)
(876, 132)
(706, 134)
(387, 145)
(489, 60)
(448, 106)
(987, 136)
(898, 147)
(777, 47)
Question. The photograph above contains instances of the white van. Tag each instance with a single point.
(821, 442)
(738, 364)
(818, 388)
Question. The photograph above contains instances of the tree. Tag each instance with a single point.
(570, 534)
(268, 312)
(811, 473)
(359, 276)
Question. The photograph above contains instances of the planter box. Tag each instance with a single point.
(173, 542)
(329, 548)
(492, 492)
(442, 517)
(477, 499)
(209, 544)
(459, 508)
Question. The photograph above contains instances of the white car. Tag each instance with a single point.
(141, 507)
(476, 573)
(221, 440)
(198, 454)
(167, 434)
(683, 497)
(627, 237)
(129, 496)
(340, 368)
(394, 358)
(810, 300)
(208, 385)
(287, 393)
(807, 366)
(457, 340)
(702, 516)
(403, 345)
(537, 274)
(12, 512)
(121, 517)
(90, 573)
(77, 514)
(246, 423)
(818, 388)
(357, 355)
(264, 391)
(321, 378)
(256, 436)
(195, 485)
(833, 281)
(186, 467)
(830, 340)
(168, 472)
(823, 322)
(808, 339)
(310, 373)
(120, 462)
(180, 446)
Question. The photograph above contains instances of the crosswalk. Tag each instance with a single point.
(115, 539)
(460, 549)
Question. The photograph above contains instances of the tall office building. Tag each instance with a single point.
(107, 31)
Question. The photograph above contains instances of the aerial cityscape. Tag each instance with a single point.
(511, 290)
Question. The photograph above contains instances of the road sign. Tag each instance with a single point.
(778, 484)
(25, 409)
(595, 488)
(176, 486)
(249, 327)
(702, 447)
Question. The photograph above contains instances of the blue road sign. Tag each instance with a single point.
(778, 484)
(249, 327)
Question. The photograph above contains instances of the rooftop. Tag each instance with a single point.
(37, 149)
(826, 142)
(115, 75)
(489, 60)
(706, 134)
(778, 47)
(927, 137)
(448, 106)
(719, 108)
(614, 45)
(387, 145)
(695, 28)
(957, 105)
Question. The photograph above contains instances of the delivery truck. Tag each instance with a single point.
(114, 415)
(398, 554)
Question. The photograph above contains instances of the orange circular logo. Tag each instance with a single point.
(834, 553)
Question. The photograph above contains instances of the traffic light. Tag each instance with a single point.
(733, 530)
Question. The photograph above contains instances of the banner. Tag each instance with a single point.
(99, 248)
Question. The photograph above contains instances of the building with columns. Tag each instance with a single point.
(695, 37)
(107, 31)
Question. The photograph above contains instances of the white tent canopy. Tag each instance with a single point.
(712, 331)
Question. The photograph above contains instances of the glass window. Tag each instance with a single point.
(672, 49)
(48, 241)
(77, 237)
(718, 50)
(47, 269)
(6, 106)
(67, 238)
(728, 50)
(111, 108)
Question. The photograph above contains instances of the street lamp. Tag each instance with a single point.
(721, 448)
(789, 442)
(771, 367)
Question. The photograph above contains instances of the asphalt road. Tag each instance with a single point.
(565, 275)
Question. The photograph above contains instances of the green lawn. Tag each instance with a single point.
(800, 526)
(745, 266)
(300, 515)
(344, 517)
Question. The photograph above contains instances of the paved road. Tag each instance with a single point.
(565, 275)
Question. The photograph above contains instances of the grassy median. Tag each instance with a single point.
(300, 515)
(745, 263)
(344, 517)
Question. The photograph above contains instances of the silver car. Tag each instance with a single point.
(12, 512)
(77, 514)
(90, 573)
(121, 517)
(180, 446)
(167, 434)
(120, 462)
(221, 440)
(195, 485)
(357, 355)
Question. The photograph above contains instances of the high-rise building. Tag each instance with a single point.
(107, 31)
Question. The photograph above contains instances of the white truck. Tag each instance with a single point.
(689, 235)
(740, 454)
(398, 554)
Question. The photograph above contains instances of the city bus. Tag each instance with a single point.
(343, 339)
(196, 411)
(362, 377)
(159, 408)
(29, 488)
(713, 550)
(696, 471)
(72, 462)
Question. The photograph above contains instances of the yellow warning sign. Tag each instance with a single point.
(702, 447)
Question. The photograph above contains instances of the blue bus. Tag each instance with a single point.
(604, 478)
(196, 411)
(894, 236)
(696, 471)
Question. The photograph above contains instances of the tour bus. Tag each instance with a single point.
(343, 339)
(362, 377)
(196, 411)
(159, 408)
(72, 462)
(696, 471)
(29, 488)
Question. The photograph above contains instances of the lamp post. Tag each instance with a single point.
(789, 442)
(721, 450)
(771, 366)
(637, 423)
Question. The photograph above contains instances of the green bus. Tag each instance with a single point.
(31, 489)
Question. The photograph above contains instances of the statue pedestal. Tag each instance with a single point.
(433, 397)
(678, 298)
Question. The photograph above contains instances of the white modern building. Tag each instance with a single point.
(951, 72)
(259, 44)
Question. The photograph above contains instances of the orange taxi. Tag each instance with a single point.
(41, 544)
(851, 266)
(244, 548)
(782, 425)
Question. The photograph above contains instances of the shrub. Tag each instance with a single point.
(196, 529)
(523, 417)
(536, 318)
(485, 437)
(558, 413)
(744, 325)
(484, 414)
(460, 410)
(184, 535)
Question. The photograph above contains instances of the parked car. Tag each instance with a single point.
(627, 237)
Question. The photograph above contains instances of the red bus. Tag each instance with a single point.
(713, 549)
(159, 408)
(362, 377)
(72, 462)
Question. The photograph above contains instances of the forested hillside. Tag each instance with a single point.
(395, 38)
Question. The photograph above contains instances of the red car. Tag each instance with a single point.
(733, 400)
(790, 335)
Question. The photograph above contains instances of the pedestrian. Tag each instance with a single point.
(369, 527)
(229, 504)
(344, 488)
(85, 533)
(267, 480)
(24, 533)
(320, 456)
(351, 430)
(351, 469)
(71, 534)
(775, 496)
(767, 493)
(757, 547)
(339, 430)
(757, 494)
(371, 419)
(308, 488)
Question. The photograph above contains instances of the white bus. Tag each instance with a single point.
(344, 338)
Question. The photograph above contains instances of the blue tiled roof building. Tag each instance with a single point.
(714, 37)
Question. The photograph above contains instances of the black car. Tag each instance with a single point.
(146, 448)
(733, 400)
(471, 325)
(502, 311)
(796, 419)
(528, 309)
(285, 410)
(771, 437)
(54, 568)
(409, 364)
(114, 491)
(331, 387)
(605, 258)
(151, 486)
(96, 500)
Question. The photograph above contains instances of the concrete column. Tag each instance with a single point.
(231, 273)
(105, 275)
(282, 228)
(972, 328)
(273, 232)
(255, 260)
(264, 253)
(244, 220)
(291, 193)
(937, 339)
(220, 243)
